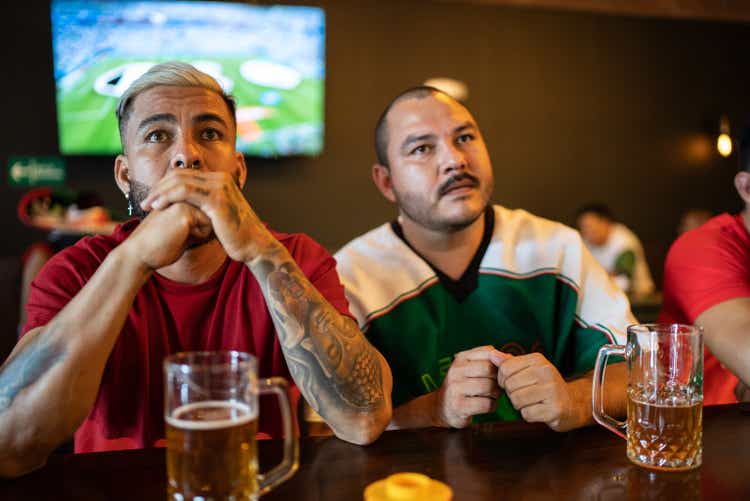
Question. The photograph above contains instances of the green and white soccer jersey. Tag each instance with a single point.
(538, 290)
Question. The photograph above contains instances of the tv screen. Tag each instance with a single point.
(271, 58)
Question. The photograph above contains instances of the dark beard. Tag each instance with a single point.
(138, 193)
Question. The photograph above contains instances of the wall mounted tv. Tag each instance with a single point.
(271, 58)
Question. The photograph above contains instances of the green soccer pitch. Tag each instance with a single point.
(87, 122)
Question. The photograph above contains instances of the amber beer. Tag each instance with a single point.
(211, 451)
(665, 395)
(663, 436)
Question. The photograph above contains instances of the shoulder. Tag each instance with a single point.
(722, 239)
(528, 232)
(84, 257)
(310, 256)
(380, 256)
(530, 225)
(706, 266)
(378, 268)
(375, 245)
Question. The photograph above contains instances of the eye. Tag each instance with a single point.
(420, 150)
(157, 136)
(465, 138)
(211, 134)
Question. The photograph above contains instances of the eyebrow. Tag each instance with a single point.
(168, 117)
(415, 138)
(465, 126)
(159, 117)
(210, 117)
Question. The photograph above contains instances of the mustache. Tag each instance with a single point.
(447, 185)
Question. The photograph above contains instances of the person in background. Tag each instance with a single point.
(692, 219)
(196, 270)
(616, 248)
(67, 216)
(483, 313)
(707, 283)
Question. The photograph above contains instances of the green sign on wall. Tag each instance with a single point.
(36, 171)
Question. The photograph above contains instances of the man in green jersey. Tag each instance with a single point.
(482, 312)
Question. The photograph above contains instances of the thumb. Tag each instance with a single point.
(201, 227)
(497, 357)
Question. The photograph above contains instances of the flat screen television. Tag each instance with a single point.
(271, 58)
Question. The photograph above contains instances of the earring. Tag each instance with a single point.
(130, 204)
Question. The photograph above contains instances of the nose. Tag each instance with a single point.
(453, 158)
(186, 155)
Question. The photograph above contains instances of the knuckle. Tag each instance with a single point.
(505, 369)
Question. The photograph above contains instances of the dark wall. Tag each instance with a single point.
(574, 108)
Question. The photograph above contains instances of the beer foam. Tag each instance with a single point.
(239, 413)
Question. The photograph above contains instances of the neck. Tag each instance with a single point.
(196, 265)
(450, 252)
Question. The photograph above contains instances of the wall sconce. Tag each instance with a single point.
(724, 141)
(457, 89)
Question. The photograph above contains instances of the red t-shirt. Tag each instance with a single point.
(705, 267)
(227, 312)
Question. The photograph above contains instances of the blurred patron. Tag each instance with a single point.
(616, 248)
(196, 270)
(480, 310)
(67, 216)
(692, 219)
(707, 282)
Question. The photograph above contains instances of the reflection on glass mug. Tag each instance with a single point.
(211, 414)
(665, 395)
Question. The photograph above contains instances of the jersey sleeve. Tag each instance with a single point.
(602, 314)
(703, 270)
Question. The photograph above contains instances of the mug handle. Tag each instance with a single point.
(597, 400)
(289, 464)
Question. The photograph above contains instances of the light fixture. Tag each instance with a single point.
(724, 141)
(457, 89)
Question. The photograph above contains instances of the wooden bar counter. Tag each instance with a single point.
(504, 461)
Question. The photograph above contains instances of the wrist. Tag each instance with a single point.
(580, 402)
(270, 250)
(128, 259)
(436, 416)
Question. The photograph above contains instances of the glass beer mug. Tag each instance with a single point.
(211, 413)
(665, 395)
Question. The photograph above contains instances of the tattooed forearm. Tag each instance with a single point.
(326, 353)
(25, 368)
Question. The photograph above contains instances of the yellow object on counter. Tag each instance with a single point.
(408, 487)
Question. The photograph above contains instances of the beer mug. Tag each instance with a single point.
(211, 413)
(665, 395)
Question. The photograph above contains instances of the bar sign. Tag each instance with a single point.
(36, 171)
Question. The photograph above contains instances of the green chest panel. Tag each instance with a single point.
(420, 336)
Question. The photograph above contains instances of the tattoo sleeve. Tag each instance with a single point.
(25, 368)
(331, 361)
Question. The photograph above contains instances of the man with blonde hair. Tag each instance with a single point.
(196, 270)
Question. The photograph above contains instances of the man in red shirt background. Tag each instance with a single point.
(707, 283)
(197, 270)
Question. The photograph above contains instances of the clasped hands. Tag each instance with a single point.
(534, 386)
(187, 204)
